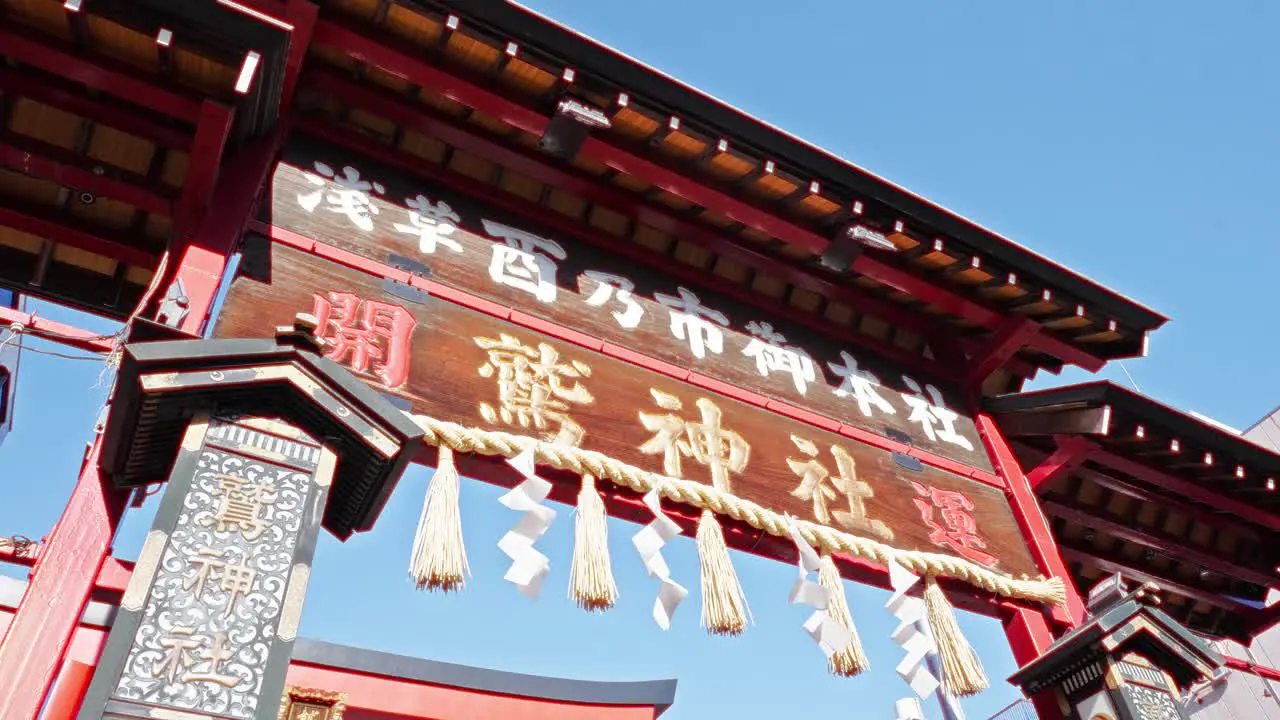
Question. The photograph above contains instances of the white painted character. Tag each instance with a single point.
(772, 354)
(695, 323)
(524, 261)
(935, 418)
(348, 195)
(433, 224)
(860, 385)
(619, 288)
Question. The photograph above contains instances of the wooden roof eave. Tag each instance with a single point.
(394, 56)
(593, 60)
(1055, 409)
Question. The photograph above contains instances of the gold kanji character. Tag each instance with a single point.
(178, 645)
(215, 656)
(532, 389)
(706, 441)
(184, 650)
(235, 579)
(820, 487)
(240, 505)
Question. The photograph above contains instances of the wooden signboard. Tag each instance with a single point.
(457, 364)
(379, 213)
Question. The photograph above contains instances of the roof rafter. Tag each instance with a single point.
(1112, 563)
(392, 55)
(102, 73)
(46, 90)
(393, 107)
(1175, 547)
(67, 167)
(1185, 488)
(67, 231)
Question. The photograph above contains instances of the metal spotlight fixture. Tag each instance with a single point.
(570, 126)
(849, 243)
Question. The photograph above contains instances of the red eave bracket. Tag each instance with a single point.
(393, 56)
(202, 168)
(1071, 453)
(1010, 337)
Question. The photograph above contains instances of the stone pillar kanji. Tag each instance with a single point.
(207, 624)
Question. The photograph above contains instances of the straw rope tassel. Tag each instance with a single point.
(962, 672)
(850, 660)
(724, 610)
(439, 560)
(703, 496)
(591, 576)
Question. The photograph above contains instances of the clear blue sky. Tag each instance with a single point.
(1135, 142)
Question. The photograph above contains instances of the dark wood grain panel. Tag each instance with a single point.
(486, 251)
(456, 363)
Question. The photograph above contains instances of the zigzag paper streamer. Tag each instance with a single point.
(528, 566)
(649, 542)
(830, 635)
(909, 611)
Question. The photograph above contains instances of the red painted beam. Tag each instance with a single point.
(392, 106)
(1031, 521)
(1070, 453)
(100, 110)
(73, 683)
(37, 640)
(69, 231)
(102, 73)
(1030, 637)
(1262, 671)
(395, 697)
(403, 60)
(55, 331)
(203, 163)
(302, 15)
(1175, 547)
(1185, 488)
(996, 352)
(1111, 563)
(202, 254)
(50, 162)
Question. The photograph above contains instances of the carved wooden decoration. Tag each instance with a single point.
(312, 704)
(378, 213)
(457, 364)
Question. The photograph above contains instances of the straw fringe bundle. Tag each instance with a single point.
(724, 608)
(591, 576)
(851, 659)
(962, 672)
(439, 560)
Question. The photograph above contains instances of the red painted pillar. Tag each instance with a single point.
(1029, 637)
(69, 693)
(69, 561)
(36, 643)
(200, 258)
(1031, 520)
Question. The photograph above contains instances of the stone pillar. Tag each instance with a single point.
(207, 624)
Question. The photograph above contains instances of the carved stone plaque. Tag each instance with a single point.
(208, 621)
